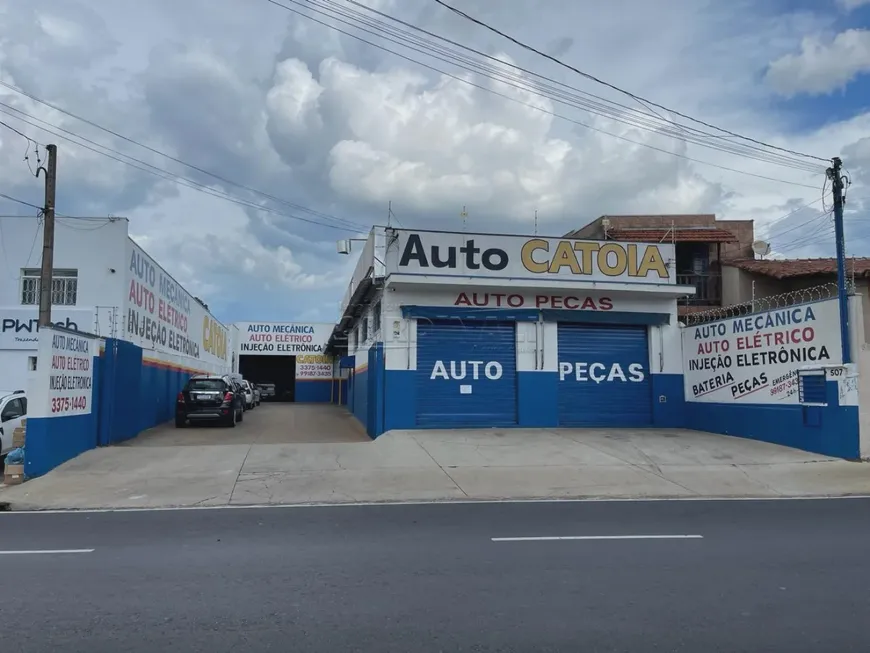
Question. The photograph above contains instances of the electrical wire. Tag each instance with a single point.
(526, 104)
(164, 174)
(221, 178)
(638, 98)
(18, 201)
(599, 105)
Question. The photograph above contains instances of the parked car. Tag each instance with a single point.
(267, 390)
(13, 408)
(250, 398)
(207, 398)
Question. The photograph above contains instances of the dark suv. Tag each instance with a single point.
(208, 398)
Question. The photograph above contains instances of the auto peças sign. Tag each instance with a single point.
(521, 257)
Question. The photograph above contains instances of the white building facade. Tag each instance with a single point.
(459, 330)
(103, 284)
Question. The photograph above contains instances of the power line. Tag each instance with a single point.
(164, 174)
(517, 101)
(618, 89)
(598, 105)
(250, 189)
(18, 201)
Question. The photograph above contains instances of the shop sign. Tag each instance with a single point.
(161, 315)
(19, 327)
(283, 338)
(755, 359)
(62, 385)
(521, 257)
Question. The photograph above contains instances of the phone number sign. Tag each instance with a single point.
(313, 367)
(70, 375)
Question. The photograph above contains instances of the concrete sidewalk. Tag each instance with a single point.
(442, 465)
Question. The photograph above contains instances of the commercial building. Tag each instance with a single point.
(447, 330)
(288, 355)
(702, 246)
(146, 335)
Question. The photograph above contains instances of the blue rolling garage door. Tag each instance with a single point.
(604, 377)
(466, 374)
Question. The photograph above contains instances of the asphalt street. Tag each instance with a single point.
(786, 575)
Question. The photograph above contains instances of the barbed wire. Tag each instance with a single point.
(766, 304)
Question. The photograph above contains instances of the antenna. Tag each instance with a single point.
(761, 248)
(389, 212)
(536, 222)
(464, 215)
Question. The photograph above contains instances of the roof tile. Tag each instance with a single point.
(800, 267)
(680, 235)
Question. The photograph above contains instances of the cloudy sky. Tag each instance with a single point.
(322, 130)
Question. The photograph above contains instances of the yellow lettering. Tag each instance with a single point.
(632, 260)
(586, 250)
(214, 340)
(565, 256)
(529, 261)
(615, 269)
(652, 262)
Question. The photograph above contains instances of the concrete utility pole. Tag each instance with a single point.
(45, 276)
(836, 177)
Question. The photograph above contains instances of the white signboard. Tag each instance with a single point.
(313, 367)
(19, 327)
(755, 359)
(283, 338)
(522, 257)
(63, 383)
(161, 315)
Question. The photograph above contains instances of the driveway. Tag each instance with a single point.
(439, 466)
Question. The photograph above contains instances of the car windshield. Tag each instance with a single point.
(205, 385)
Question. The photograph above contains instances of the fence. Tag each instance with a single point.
(765, 304)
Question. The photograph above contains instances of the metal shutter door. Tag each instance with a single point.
(599, 376)
(461, 401)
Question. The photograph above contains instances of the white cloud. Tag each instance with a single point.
(850, 5)
(280, 104)
(822, 66)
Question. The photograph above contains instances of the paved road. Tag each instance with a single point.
(787, 576)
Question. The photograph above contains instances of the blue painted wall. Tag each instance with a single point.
(359, 394)
(315, 391)
(830, 430)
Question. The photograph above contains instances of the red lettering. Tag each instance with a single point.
(605, 304)
(572, 303)
(589, 304)
(515, 301)
(556, 301)
(541, 300)
(462, 300)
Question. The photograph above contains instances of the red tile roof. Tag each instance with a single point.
(800, 267)
(667, 235)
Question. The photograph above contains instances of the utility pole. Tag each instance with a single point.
(836, 177)
(45, 276)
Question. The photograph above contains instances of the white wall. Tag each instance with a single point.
(94, 248)
(537, 344)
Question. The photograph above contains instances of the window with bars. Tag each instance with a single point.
(64, 287)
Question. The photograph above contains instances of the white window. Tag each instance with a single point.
(64, 287)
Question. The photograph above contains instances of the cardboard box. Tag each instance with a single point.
(14, 475)
(18, 437)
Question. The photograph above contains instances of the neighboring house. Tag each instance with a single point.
(748, 279)
(701, 242)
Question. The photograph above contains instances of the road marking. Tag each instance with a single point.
(597, 537)
(434, 502)
(44, 551)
